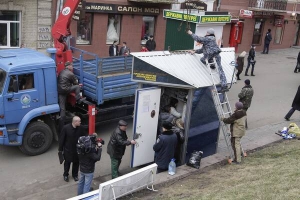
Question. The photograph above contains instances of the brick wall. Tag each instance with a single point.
(131, 26)
(289, 32)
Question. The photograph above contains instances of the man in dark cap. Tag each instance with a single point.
(151, 44)
(268, 39)
(116, 147)
(245, 96)
(237, 129)
(67, 83)
(211, 50)
(165, 147)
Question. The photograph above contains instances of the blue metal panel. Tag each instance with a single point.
(50, 89)
(24, 59)
(101, 77)
(118, 86)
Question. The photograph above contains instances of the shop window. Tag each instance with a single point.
(147, 28)
(84, 29)
(278, 35)
(10, 29)
(113, 28)
(257, 34)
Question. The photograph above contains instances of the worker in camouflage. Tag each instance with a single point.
(245, 96)
(211, 50)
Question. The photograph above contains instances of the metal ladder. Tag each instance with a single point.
(223, 108)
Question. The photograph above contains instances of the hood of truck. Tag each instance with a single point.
(23, 59)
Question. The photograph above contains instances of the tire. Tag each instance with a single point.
(37, 139)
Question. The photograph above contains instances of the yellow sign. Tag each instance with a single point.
(146, 77)
(181, 16)
(215, 19)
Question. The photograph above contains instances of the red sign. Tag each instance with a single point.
(246, 13)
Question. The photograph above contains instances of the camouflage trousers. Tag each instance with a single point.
(218, 60)
(115, 164)
(237, 149)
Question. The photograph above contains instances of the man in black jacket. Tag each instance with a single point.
(114, 49)
(165, 147)
(297, 68)
(116, 147)
(151, 44)
(67, 83)
(251, 61)
(90, 154)
(268, 39)
(67, 144)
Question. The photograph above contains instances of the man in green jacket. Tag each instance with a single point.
(237, 129)
(245, 96)
(116, 147)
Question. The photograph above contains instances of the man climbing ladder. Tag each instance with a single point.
(211, 50)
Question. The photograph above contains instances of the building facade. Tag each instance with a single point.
(25, 23)
(251, 19)
(100, 23)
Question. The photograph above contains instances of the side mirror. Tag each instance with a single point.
(15, 86)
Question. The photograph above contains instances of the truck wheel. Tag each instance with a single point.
(37, 139)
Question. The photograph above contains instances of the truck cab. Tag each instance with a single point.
(28, 98)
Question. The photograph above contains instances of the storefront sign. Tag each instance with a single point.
(215, 19)
(262, 14)
(79, 12)
(122, 9)
(181, 16)
(246, 13)
(199, 5)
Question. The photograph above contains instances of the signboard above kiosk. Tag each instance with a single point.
(181, 16)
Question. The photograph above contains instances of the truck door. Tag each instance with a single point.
(18, 103)
(145, 123)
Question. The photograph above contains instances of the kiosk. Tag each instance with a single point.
(163, 76)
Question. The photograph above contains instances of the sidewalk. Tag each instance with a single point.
(255, 138)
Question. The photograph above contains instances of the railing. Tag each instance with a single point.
(268, 4)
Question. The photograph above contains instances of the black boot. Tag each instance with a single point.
(252, 70)
(238, 76)
(246, 72)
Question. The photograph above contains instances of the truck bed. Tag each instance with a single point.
(104, 79)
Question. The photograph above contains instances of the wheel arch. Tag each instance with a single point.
(42, 113)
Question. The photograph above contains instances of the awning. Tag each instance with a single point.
(184, 66)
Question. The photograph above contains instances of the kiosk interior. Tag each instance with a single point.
(181, 82)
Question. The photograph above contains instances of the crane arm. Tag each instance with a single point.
(61, 31)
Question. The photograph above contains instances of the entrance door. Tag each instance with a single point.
(257, 34)
(145, 123)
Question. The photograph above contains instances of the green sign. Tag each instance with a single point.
(215, 19)
(181, 16)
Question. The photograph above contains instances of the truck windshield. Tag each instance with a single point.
(2, 79)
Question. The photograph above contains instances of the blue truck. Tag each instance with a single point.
(29, 110)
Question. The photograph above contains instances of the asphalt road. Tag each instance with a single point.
(40, 177)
